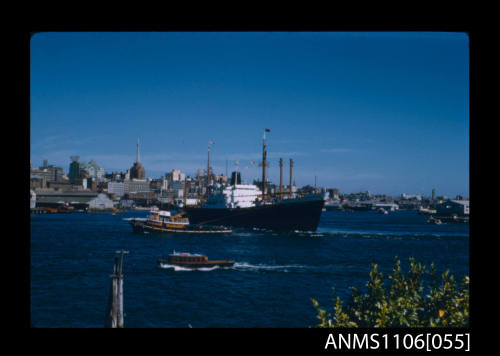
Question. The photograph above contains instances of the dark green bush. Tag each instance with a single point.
(402, 303)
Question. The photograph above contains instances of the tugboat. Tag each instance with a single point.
(189, 260)
(433, 220)
(163, 222)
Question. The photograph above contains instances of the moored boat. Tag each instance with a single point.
(382, 211)
(426, 211)
(189, 260)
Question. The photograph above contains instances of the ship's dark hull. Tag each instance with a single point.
(297, 214)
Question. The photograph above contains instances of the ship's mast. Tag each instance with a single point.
(264, 164)
(208, 165)
(281, 178)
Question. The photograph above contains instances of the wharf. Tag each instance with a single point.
(446, 218)
(39, 211)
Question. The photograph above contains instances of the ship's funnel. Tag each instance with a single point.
(235, 178)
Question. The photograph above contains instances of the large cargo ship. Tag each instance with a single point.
(245, 205)
(300, 214)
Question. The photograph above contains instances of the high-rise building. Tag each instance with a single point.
(137, 171)
(94, 170)
(433, 194)
(74, 169)
(175, 176)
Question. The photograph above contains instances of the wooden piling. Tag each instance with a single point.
(115, 303)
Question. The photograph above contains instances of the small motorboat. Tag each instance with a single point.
(189, 260)
(382, 211)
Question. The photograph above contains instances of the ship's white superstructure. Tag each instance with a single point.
(234, 196)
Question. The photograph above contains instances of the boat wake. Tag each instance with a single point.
(387, 234)
(266, 267)
(239, 266)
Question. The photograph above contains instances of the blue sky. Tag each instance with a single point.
(384, 112)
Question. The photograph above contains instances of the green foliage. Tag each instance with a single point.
(402, 303)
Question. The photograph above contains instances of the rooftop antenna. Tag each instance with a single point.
(137, 159)
(208, 163)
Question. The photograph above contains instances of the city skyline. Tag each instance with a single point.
(383, 112)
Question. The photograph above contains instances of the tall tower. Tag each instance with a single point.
(137, 171)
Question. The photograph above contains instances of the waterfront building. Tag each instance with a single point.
(59, 185)
(49, 173)
(52, 173)
(453, 207)
(32, 199)
(142, 198)
(116, 188)
(38, 182)
(137, 171)
(136, 185)
(82, 199)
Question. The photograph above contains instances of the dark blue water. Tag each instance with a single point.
(271, 284)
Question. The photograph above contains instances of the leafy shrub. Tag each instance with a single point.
(403, 303)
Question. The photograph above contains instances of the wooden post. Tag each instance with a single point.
(115, 304)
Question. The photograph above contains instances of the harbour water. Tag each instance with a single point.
(271, 284)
